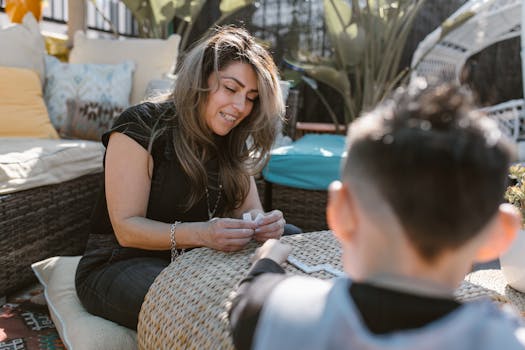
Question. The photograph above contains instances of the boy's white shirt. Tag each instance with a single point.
(307, 313)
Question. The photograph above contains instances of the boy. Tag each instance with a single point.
(419, 202)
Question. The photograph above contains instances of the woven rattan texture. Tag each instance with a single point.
(42, 222)
(491, 283)
(187, 305)
(303, 208)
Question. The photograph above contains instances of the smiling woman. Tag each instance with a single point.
(231, 99)
(179, 173)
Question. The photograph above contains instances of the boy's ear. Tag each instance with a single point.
(340, 211)
(501, 233)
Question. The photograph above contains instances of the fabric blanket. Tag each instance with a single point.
(25, 324)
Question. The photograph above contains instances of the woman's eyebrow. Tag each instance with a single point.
(240, 83)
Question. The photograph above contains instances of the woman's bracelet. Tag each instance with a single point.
(174, 252)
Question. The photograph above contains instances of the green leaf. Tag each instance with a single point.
(311, 82)
(351, 45)
(346, 37)
(337, 16)
(377, 5)
(133, 6)
(186, 10)
(292, 76)
(164, 10)
(158, 11)
(228, 6)
(330, 76)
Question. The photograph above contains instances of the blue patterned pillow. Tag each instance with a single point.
(105, 83)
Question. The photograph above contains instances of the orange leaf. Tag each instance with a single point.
(17, 9)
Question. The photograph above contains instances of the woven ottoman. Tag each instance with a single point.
(187, 305)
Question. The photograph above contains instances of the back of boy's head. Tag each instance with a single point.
(440, 165)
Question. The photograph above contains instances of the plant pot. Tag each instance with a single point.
(512, 263)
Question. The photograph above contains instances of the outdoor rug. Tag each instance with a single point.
(25, 323)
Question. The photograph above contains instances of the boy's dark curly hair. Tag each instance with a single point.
(441, 165)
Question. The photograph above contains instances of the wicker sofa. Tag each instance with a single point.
(45, 207)
(47, 190)
(41, 222)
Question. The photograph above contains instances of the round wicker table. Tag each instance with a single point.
(187, 305)
(491, 283)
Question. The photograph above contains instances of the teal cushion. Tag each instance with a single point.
(311, 163)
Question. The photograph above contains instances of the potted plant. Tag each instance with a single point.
(513, 260)
(154, 17)
(515, 193)
(367, 40)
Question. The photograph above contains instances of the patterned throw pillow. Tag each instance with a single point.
(105, 83)
(88, 120)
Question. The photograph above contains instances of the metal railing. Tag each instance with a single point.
(121, 18)
(282, 22)
(274, 21)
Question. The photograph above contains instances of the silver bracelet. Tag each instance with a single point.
(174, 252)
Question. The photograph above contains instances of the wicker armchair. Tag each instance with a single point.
(301, 207)
(472, 28)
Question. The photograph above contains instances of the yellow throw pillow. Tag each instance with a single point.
(23, 112)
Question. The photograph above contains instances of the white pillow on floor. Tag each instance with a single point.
(77, 328)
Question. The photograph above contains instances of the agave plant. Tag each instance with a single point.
(154, 16)
(367, 39)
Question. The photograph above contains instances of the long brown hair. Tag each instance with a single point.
(246, 146)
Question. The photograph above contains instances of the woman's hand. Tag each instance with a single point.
(228, 235)
(270, 225)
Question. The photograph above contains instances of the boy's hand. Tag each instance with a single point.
(273, 249)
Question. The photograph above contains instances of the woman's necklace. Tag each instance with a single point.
(211, 213)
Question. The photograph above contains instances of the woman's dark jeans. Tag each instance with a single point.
(290, 229)
(112, 283)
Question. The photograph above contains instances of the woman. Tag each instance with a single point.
(179, 174)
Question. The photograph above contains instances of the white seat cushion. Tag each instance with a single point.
(78, 329)
(29, 162)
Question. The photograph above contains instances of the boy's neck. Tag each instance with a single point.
(411, 285)
(407, 272)
(378, 250)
